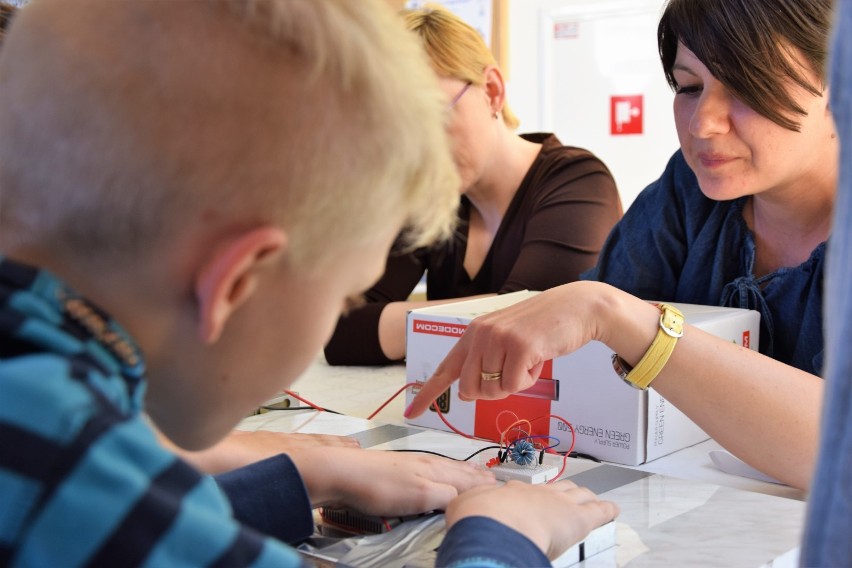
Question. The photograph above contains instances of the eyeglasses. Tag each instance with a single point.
(459, 95)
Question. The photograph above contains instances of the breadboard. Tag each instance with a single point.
(528, 474)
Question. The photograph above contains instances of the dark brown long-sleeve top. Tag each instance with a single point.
(553, 230)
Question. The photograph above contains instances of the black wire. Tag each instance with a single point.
(276, 409)
(449, 457)
(578, 455)
(477, 452)
(427, 452)
(583, 456)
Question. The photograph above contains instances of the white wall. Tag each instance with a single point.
(524, 68)
(564, 85)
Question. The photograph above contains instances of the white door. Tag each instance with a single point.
(603, 88)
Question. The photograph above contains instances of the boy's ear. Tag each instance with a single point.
(229, 277)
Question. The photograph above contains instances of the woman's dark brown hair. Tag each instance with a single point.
(749, 45)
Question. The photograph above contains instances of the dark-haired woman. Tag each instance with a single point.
(741, 215)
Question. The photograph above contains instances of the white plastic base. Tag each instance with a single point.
(599, 540)
(528, 474)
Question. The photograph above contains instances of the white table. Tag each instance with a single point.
(359, 391)
(679, 510)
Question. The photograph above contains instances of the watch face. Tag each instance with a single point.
(647, 369)
(622, 369)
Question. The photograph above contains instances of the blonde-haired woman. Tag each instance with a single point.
(534, 213)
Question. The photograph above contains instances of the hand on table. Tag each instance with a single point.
(554, 517)
(241, 448)
(385, 483)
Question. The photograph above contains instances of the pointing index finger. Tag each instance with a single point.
(444, 376)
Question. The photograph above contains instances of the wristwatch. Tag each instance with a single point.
(647, 369)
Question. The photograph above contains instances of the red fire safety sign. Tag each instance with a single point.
(625, 114)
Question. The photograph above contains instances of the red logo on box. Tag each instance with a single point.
(747, 339)
(438, 328)
(536, 401)
(625, 114)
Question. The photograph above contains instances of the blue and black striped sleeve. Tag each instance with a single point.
(93, 487)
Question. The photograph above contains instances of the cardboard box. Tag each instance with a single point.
(612, 421)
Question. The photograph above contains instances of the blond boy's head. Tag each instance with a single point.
(218, 175)
(124, 121)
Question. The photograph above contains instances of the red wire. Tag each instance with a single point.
(562, 469)
(308, 402)
(450, 426)
(456, 430)
(468, 436)
(388, 401)
(434, 405)
(571, 449)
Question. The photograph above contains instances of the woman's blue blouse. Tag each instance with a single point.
(674, 244)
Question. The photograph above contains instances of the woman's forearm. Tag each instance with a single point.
(762, 410)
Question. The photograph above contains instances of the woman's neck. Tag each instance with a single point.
(509, 164)
(491, 196)
(787, 228)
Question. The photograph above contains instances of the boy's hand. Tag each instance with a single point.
(554, 517)
(241, 448)
(385, 483)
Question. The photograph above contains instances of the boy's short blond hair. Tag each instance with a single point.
(455, 49)
(320, 116)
